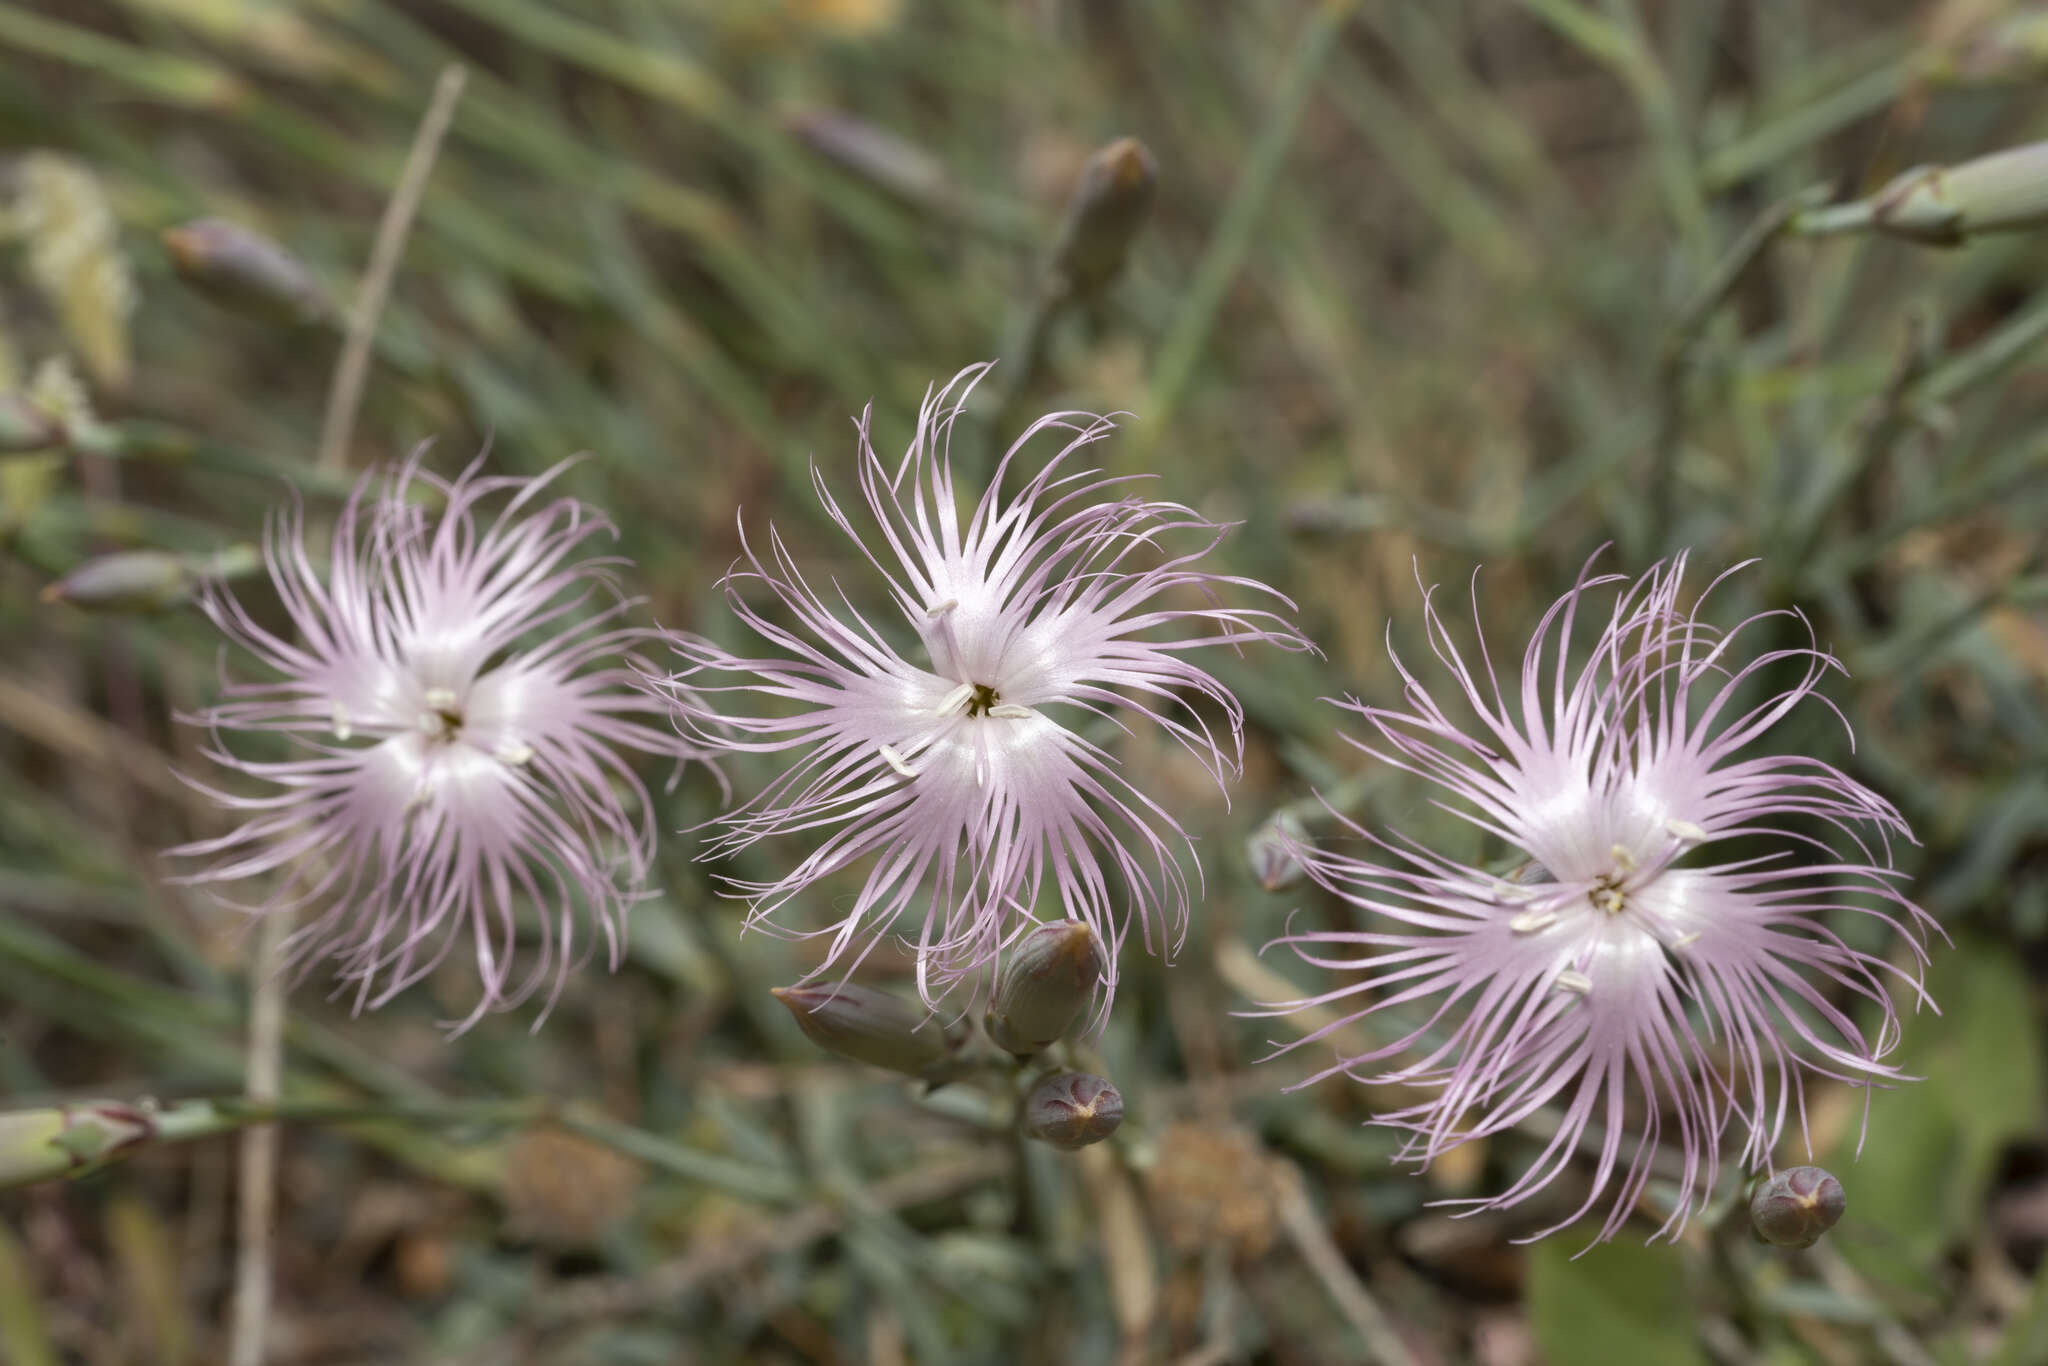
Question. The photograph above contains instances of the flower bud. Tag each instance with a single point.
(1072, 1110)
(868, 1026)
(1104, 214)
(1942, 205)
(1270, 851)
(126, 581)
(245, 270)
(1043, 986)
(25, 426)
(36, 1145)
(873, 153)
(1794, 1207)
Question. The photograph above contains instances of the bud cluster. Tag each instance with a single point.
(1041, 995)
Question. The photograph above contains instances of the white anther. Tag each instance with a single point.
(948, 605)
(1578, 983)
(1611, 901)
(1528, 922)
(1686, 830)
(342, 729)
(1010, 711)
(440, 699)
(514, 752)
(1624, 857)
(1507, 891)
(1684, 939)
(952, 700)
(895, 761)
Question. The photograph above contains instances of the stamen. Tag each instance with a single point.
(895, 761)
(1578, 983)
(947, 606)
(1692, 937)
(1686, 830)
(1624, 857)
(440, 699)
(1611, 900)
(514, 752)
(952, 700)
(1507, 891)
(1528, 922)
(342, 729)
(1010, 711)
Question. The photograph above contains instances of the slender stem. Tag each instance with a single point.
(256, 1181)
(345, 395)
(256, 1175)
(1382, 1343)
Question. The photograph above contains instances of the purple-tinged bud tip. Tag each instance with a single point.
(867, 1025)
(1071, 1110)
(125, 581)
(1794, 1207)
(1271, 848)
(243, 269)
(1043, 986)
(25, 426)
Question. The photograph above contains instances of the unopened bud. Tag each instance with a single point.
(243, 269)
(126, 581)
(1044, 985)
(1794, 1207)
(2003, 192)
(1104, 213)
(868, 1026)
(36, 1145)
(25, 426)
(871, 152)
(1072, 1110)
(1271, 851)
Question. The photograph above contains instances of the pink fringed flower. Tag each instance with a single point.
(458, 718)
(1664, 959)
(955, 772)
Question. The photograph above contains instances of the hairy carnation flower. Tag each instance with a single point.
(458, 719)
(957, 774)
(1665, 955)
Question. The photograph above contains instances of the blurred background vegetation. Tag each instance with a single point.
(1410, 287)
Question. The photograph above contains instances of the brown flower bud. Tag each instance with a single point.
(1072, 1110)
(1043, 986)
(1794, 1207)
(1104, 213)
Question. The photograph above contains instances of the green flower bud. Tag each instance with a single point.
(868, 1026)
(1043, 986)
(1794, 1207)
(245, 270)
(1270, 851)
(36, 1145)
(1072, 1110)
(2005, 191)
(126, 581)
